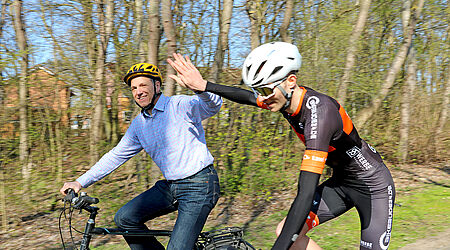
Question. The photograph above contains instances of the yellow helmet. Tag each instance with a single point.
(142, 69)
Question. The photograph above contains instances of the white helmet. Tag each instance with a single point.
(269, 63)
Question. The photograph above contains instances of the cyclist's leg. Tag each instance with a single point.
(152, 203)
(196, 196)
(329, 202)
(376, 214)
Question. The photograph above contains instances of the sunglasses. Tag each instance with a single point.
(264, 92)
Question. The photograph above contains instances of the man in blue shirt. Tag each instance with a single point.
(169, 129)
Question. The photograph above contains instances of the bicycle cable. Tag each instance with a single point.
(69, 220)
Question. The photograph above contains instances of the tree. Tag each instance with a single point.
(255, 14)
(352, 49)
(4, 224)
(23, 94)
(286, 21)
(397, 63)
(443, 114)
(169, 31)
(139, 12)
(105, 25)
(407, 88)
(222, 43)
(154, 35)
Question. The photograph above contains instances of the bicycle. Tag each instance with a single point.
(225, 238)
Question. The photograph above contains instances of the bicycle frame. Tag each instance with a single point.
(216, 239)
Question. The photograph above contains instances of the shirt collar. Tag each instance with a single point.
(160, 105)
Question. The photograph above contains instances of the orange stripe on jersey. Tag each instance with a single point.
(346, 121)
(312, 220)
(301, 101)
(260, 103)
(314, 161)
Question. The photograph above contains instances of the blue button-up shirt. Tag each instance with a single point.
(172, 135)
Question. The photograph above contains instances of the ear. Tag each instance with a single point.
(291, 81)
(158, 86)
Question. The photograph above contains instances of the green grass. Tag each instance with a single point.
(420, 215)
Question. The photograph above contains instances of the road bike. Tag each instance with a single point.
(221, 239)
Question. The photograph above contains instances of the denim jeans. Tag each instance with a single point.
(194, 197)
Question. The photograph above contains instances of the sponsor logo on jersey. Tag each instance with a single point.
(353, 151)
(366, 244)
(356, 154)
(311, 104)
(386, 236)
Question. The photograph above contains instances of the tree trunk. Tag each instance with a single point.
(253, 12)
(365, 114)
(286, 21)
(407, 89)
(169, 30)
(4, 223)
(352, 48)
(443, 116)
(23, 93)
(4, 227)
(105, 29)
(222, 44)
(2, 23)
(139, 20)
(154, 35)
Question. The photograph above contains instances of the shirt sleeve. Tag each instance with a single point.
(125, 149)
(208, 104)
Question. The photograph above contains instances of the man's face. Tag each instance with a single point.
(143, 90)
(277, 100)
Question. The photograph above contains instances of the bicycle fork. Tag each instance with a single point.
(87, 231)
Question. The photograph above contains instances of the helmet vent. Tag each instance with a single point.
(291, 58)
(276, 69)
(248, 70)
(258, 82)
(259, 69)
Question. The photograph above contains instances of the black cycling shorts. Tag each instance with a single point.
(375, 208)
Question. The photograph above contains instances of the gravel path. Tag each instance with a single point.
(437, 242)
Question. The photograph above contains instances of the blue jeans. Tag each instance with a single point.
(194, 197)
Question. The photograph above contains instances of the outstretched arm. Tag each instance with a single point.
(299, 210)
(189, 77)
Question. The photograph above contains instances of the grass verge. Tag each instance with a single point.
(418, 216)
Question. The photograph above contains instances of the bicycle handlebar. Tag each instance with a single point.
(79, 202)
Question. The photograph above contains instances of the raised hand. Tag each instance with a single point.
(188, 75)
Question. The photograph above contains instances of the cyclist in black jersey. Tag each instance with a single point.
(360, 179)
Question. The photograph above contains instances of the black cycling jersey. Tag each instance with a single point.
(330, 138)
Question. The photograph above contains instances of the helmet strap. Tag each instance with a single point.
(288, 97)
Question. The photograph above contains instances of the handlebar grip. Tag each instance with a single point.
(70, 194)
(90, 200)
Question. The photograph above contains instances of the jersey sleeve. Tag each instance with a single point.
(321, 123)
(234, 94)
